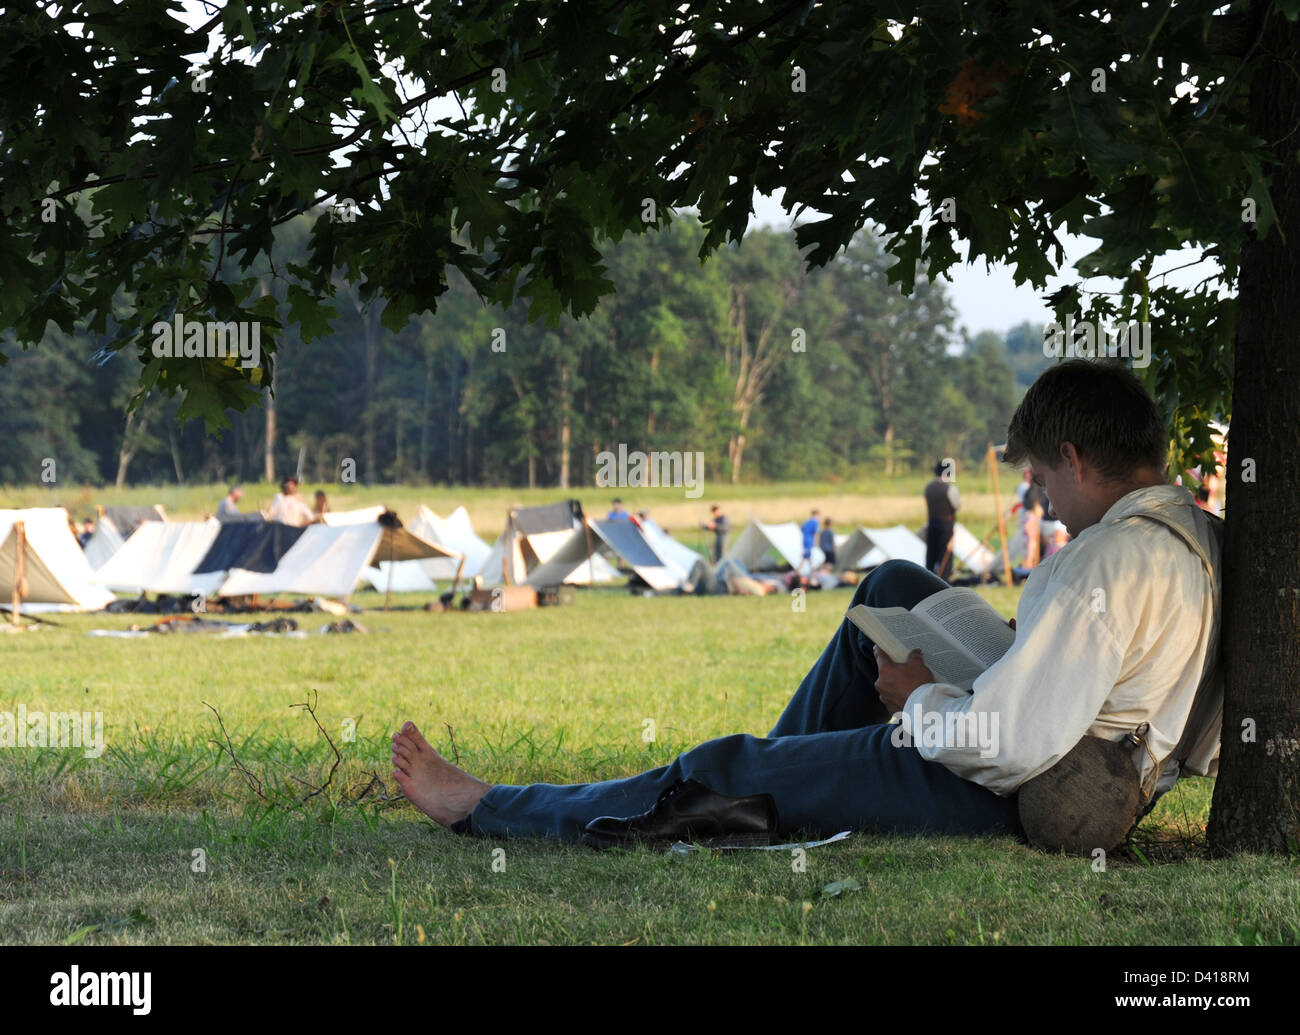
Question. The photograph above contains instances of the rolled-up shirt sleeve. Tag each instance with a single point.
(1032, 706)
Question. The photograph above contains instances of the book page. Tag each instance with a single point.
(896, 630)
(970, 620)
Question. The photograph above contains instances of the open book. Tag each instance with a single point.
(958, 632)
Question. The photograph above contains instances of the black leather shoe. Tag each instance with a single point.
(689, 811)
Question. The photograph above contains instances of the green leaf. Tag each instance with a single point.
(310, 313)
(839, 887)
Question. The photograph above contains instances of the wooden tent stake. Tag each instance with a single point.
(20, 567)
(1002, 524)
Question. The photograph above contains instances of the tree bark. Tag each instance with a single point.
(126, 453)
(370, 322)
(426, 405)
(175, 451)
(566, 428)
(268, 468)
(1256, 805)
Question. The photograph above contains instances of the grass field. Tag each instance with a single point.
(160, 840)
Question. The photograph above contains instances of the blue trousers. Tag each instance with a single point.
(829, 761)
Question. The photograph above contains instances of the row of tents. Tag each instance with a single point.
(138, 550)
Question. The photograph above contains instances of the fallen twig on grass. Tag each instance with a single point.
(311, 710)
(455, 751)
(238, 766)
(374, 779)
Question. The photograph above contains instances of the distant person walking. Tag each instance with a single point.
(720, 525)
(228, 508)
(942, 501)
(809, 532)
(87, 530)
(617, 513)
(826, 540)
(322, 506)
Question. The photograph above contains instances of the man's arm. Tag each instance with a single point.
(1037, 702)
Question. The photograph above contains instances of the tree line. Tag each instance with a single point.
(770, 371)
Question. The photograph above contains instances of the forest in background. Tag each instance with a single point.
(770, 372)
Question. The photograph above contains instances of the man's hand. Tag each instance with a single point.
(897, 681)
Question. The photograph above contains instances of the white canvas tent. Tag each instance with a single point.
(330, 560)
(870, 547)
(360, 516)
(550, 542)
(160, 557)
(969, 551)
(456, 533)
(56, 572)
(103, 543)
(758, 542)
(670, 549)
(113, 527)
(647, 553)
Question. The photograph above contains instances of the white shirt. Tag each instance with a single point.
(228, 511)
(290, 510)
(1117, 628)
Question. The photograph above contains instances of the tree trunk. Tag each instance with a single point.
(889, 449)
(654, 381)
(268, 468)
(175, 451)
(425, 406)
(370, 321)
(566, 428)
(126, 453)
(1256, 804)
(736, 454)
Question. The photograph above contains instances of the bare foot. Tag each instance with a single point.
(441, 791)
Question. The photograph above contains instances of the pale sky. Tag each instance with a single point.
(990, 300)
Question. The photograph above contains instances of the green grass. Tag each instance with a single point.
(160, 841)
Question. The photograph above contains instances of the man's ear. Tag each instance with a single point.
(1073, 461)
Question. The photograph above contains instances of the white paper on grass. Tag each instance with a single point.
(682, 848)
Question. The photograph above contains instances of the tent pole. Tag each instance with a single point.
(508, 557)
(1002, 524)
(388, 595)
(20, 566)
(456, 581)
(591, 559)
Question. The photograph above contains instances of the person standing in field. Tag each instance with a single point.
(808, 530)
(720, 525)
(942, 501)
(826, 540)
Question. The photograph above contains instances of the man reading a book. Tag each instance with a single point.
(1116, 630)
